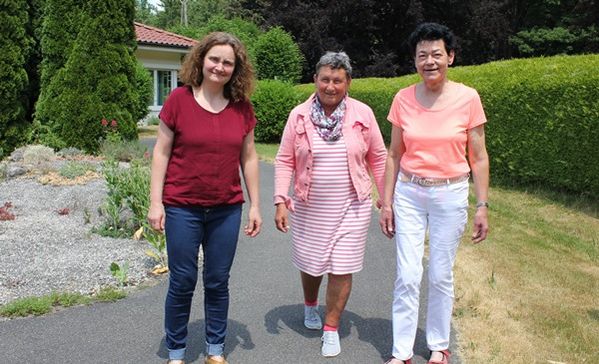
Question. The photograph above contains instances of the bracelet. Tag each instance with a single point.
(482, 204)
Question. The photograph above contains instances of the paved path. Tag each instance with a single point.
(265, 314)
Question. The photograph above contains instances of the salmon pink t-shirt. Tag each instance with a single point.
(435, 140)
(203, 169)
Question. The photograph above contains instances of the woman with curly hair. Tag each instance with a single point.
(206, 133)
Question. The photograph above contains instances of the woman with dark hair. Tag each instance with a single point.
(330, 145)
(205, 135)
(438, 139)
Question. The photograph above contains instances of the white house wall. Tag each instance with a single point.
(160, 59)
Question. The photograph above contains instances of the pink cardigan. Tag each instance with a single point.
(365, 150)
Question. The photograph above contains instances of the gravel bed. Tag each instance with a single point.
(42, 251)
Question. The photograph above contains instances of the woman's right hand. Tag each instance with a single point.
(156, 216)
(282, 217)
(386, 221)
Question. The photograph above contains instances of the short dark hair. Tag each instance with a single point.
(432, 31)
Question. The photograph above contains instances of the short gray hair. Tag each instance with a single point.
(335, 60)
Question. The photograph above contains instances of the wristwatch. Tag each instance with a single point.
(482, 204)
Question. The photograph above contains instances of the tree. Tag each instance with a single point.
(15, 47)
(278, 57)
(98, 80)
(145, 12)
(59, 28)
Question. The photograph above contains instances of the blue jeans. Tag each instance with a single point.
(216, 229)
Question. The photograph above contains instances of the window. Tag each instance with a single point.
(164, 86)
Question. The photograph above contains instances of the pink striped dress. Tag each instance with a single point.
(329, 231)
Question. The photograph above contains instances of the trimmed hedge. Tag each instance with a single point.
(273, 100)
(543, 117)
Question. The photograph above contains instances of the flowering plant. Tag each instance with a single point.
(111, 130)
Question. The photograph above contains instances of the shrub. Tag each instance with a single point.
(145, 92)
(273, 100)
(278, 57)
(98, 80)
(14, 52)
(543, 117)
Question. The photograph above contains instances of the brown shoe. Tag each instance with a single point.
(445, 360)
(211, 360)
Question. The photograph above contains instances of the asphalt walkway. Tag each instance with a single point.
(266, 314)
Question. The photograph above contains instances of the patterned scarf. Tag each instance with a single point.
(329, 128)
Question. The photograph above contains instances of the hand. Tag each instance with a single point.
(386, 221)
(156, 216)
(252, 229)
(282, 217)
(481, 225)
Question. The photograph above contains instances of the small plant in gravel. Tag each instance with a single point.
(70, 152)
(120, 272)
(128, 189)
(38, 154)
(6, 215)
(74, 169)
(63, 211)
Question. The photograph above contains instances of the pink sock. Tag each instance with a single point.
(329, 328)
(311, 304)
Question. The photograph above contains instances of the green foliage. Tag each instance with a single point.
(273, 100)
(41, 305)
(543, 120)
(98, 80)
(157, 242)
(544, 42)
(145, 92)
(15, 48)
(120, 272)
(128, 188)
(74, 169)
(278, 57)
(121, 150)
(110, 294)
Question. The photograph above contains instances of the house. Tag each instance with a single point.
(161, 53)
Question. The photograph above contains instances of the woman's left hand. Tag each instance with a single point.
(481, 225)
(254, 223)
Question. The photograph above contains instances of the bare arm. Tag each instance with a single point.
(396, 150)
(479, 164)
(160, 158)
(249, 167)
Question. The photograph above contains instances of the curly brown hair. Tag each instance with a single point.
(241, 84)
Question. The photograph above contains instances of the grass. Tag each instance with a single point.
(38, 306)
(529, 293)
(148, 131)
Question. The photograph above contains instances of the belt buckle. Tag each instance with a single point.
(425, 182)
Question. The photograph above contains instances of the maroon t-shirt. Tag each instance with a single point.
(203, 169)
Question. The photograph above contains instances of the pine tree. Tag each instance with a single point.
(15, 47)
(98, 80)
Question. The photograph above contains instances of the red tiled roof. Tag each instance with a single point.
(148, 35)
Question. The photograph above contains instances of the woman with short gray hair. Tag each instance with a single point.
(330, 145)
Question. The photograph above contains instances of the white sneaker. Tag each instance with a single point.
(330, 344)
(312, 318)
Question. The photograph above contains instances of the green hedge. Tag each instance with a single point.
(543, 117)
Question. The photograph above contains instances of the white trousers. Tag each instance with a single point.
(443, 211)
